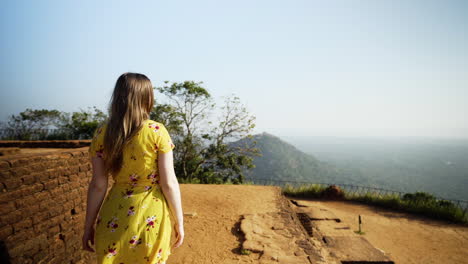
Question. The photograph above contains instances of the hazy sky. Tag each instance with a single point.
(339, 68)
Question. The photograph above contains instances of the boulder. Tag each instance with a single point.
(333, 192)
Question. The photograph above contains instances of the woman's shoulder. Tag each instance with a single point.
(154, 127)
(153, 124)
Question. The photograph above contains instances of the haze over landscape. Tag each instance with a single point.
(377, 89)
(439, 167)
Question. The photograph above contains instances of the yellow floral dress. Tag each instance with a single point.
(134, 225)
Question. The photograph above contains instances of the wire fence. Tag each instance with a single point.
(353, 190)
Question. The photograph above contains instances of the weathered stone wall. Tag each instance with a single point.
(43, 207)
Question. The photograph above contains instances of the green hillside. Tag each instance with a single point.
(282, 161)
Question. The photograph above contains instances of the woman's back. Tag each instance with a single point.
(134, 223)
(140, 166)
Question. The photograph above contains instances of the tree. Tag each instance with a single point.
(226, 158)
(82, 124)
(30, 123)
(187, 106)
(52, 124)
(203, 153)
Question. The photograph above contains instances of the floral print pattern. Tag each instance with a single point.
(134, 179)
(135, 206)
(154, 127)
(153, 177)
(150, 221)
(131, 211)
(135, 241)
(127, 194)
(111, 251)
(112, 224)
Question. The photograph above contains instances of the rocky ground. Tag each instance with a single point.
(406, 238)
(221, 220)
(214, 235)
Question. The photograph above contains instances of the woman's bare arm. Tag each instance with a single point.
(96, 191)
(171, 190)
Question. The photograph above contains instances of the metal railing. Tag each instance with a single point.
(352, 190)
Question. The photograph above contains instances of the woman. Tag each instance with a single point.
(133, 225)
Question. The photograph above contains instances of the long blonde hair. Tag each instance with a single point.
(130, 105)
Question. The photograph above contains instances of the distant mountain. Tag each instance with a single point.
(282, 161)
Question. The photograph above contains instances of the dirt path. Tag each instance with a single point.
(212, 236)
(408, 239)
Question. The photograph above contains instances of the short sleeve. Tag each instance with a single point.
(164, 142)
(96, 149)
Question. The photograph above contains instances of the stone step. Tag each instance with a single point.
(337, 237)
(317, 213)
(355, 249)
(274, 236)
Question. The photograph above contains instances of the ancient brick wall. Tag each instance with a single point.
(45, 143)
(43, 207)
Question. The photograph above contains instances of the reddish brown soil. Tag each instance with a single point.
(213, 235)
(407, 238)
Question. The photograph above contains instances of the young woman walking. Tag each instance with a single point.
(134, 221)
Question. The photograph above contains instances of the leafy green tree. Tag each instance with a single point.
(183, 113)
(82, 124)
(225, 158)
(52, 124)
(30, 123)
(203, 153)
